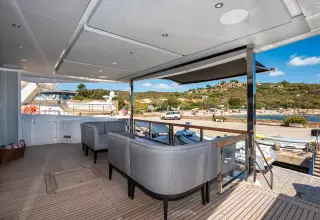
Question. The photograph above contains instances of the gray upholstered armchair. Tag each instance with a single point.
(169, 172)
(94, 135)
(119, 154)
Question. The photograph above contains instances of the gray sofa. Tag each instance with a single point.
(165, 172)
(94, 135)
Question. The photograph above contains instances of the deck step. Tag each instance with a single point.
(316, 174)
(316, 170)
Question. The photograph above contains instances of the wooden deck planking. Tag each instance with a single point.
(294, 184)
(23, 194)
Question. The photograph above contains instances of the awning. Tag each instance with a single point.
(229, 69)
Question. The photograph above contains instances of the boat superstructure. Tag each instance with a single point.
(45, 41)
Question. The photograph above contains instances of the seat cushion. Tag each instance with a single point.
(103, 142)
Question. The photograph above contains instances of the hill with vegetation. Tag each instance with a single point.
(229, 94)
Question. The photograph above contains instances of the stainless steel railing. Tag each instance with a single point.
(269, 168)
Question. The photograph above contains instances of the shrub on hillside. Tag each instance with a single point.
(295, 120)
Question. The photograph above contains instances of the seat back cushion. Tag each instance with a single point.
(168, 170)
(99, 125)
(114, 126)
(118, 152)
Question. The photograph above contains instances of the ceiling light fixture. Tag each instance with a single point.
(219, 5)
(16, 25)
(19, 45)
(165, 35)
(100, 71)
(234, 17)
(23, 60)
(114, 63)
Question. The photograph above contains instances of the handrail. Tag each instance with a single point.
(311, 166)
(269, 168)
(232, 140)
(196, 127)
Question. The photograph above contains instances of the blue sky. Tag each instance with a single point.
(296, 62)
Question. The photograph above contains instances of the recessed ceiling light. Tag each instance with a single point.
(234, 17)
(114, 63)
(19, 45)
(165, 35)
(16, 25)
(102, 77)
(23, 60)
(219, 5)
(100, 71)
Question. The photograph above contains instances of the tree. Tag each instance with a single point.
(208, 86)
(223, 82)
(284, 83)
(81, 87)
(234, 80)
(173, 102)
(121, 102)
(234, 101)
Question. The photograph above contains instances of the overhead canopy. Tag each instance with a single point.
(226, 70)
(113, 40)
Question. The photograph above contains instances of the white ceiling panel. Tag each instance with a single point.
(63, 10)
(310, 7)
(103, 49)
(42, 35)
(296, 30)
(188, 26)
(70, 68)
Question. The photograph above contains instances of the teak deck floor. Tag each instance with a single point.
(23, 193)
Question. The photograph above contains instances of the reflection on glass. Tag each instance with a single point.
(159, 132)
(233, 162)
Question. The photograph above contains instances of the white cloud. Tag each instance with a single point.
(146, 85)
(276, 73)
(163, 86)
(303, 61)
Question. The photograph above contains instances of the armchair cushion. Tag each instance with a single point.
(168, 170)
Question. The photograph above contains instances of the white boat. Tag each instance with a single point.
(285, 142)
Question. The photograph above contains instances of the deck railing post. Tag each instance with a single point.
(131, 106)
(150, 130)
(201, 135)
(219, 166)
(251, 108)
(171, 134)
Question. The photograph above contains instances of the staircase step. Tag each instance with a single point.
(316, 174)
(315, 169)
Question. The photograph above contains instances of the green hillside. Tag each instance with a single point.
(232, 95)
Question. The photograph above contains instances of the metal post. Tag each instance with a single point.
(150, 130)
(131, 106)
(171, 135)
(251, 108)
(201, 134)
(219, 166)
